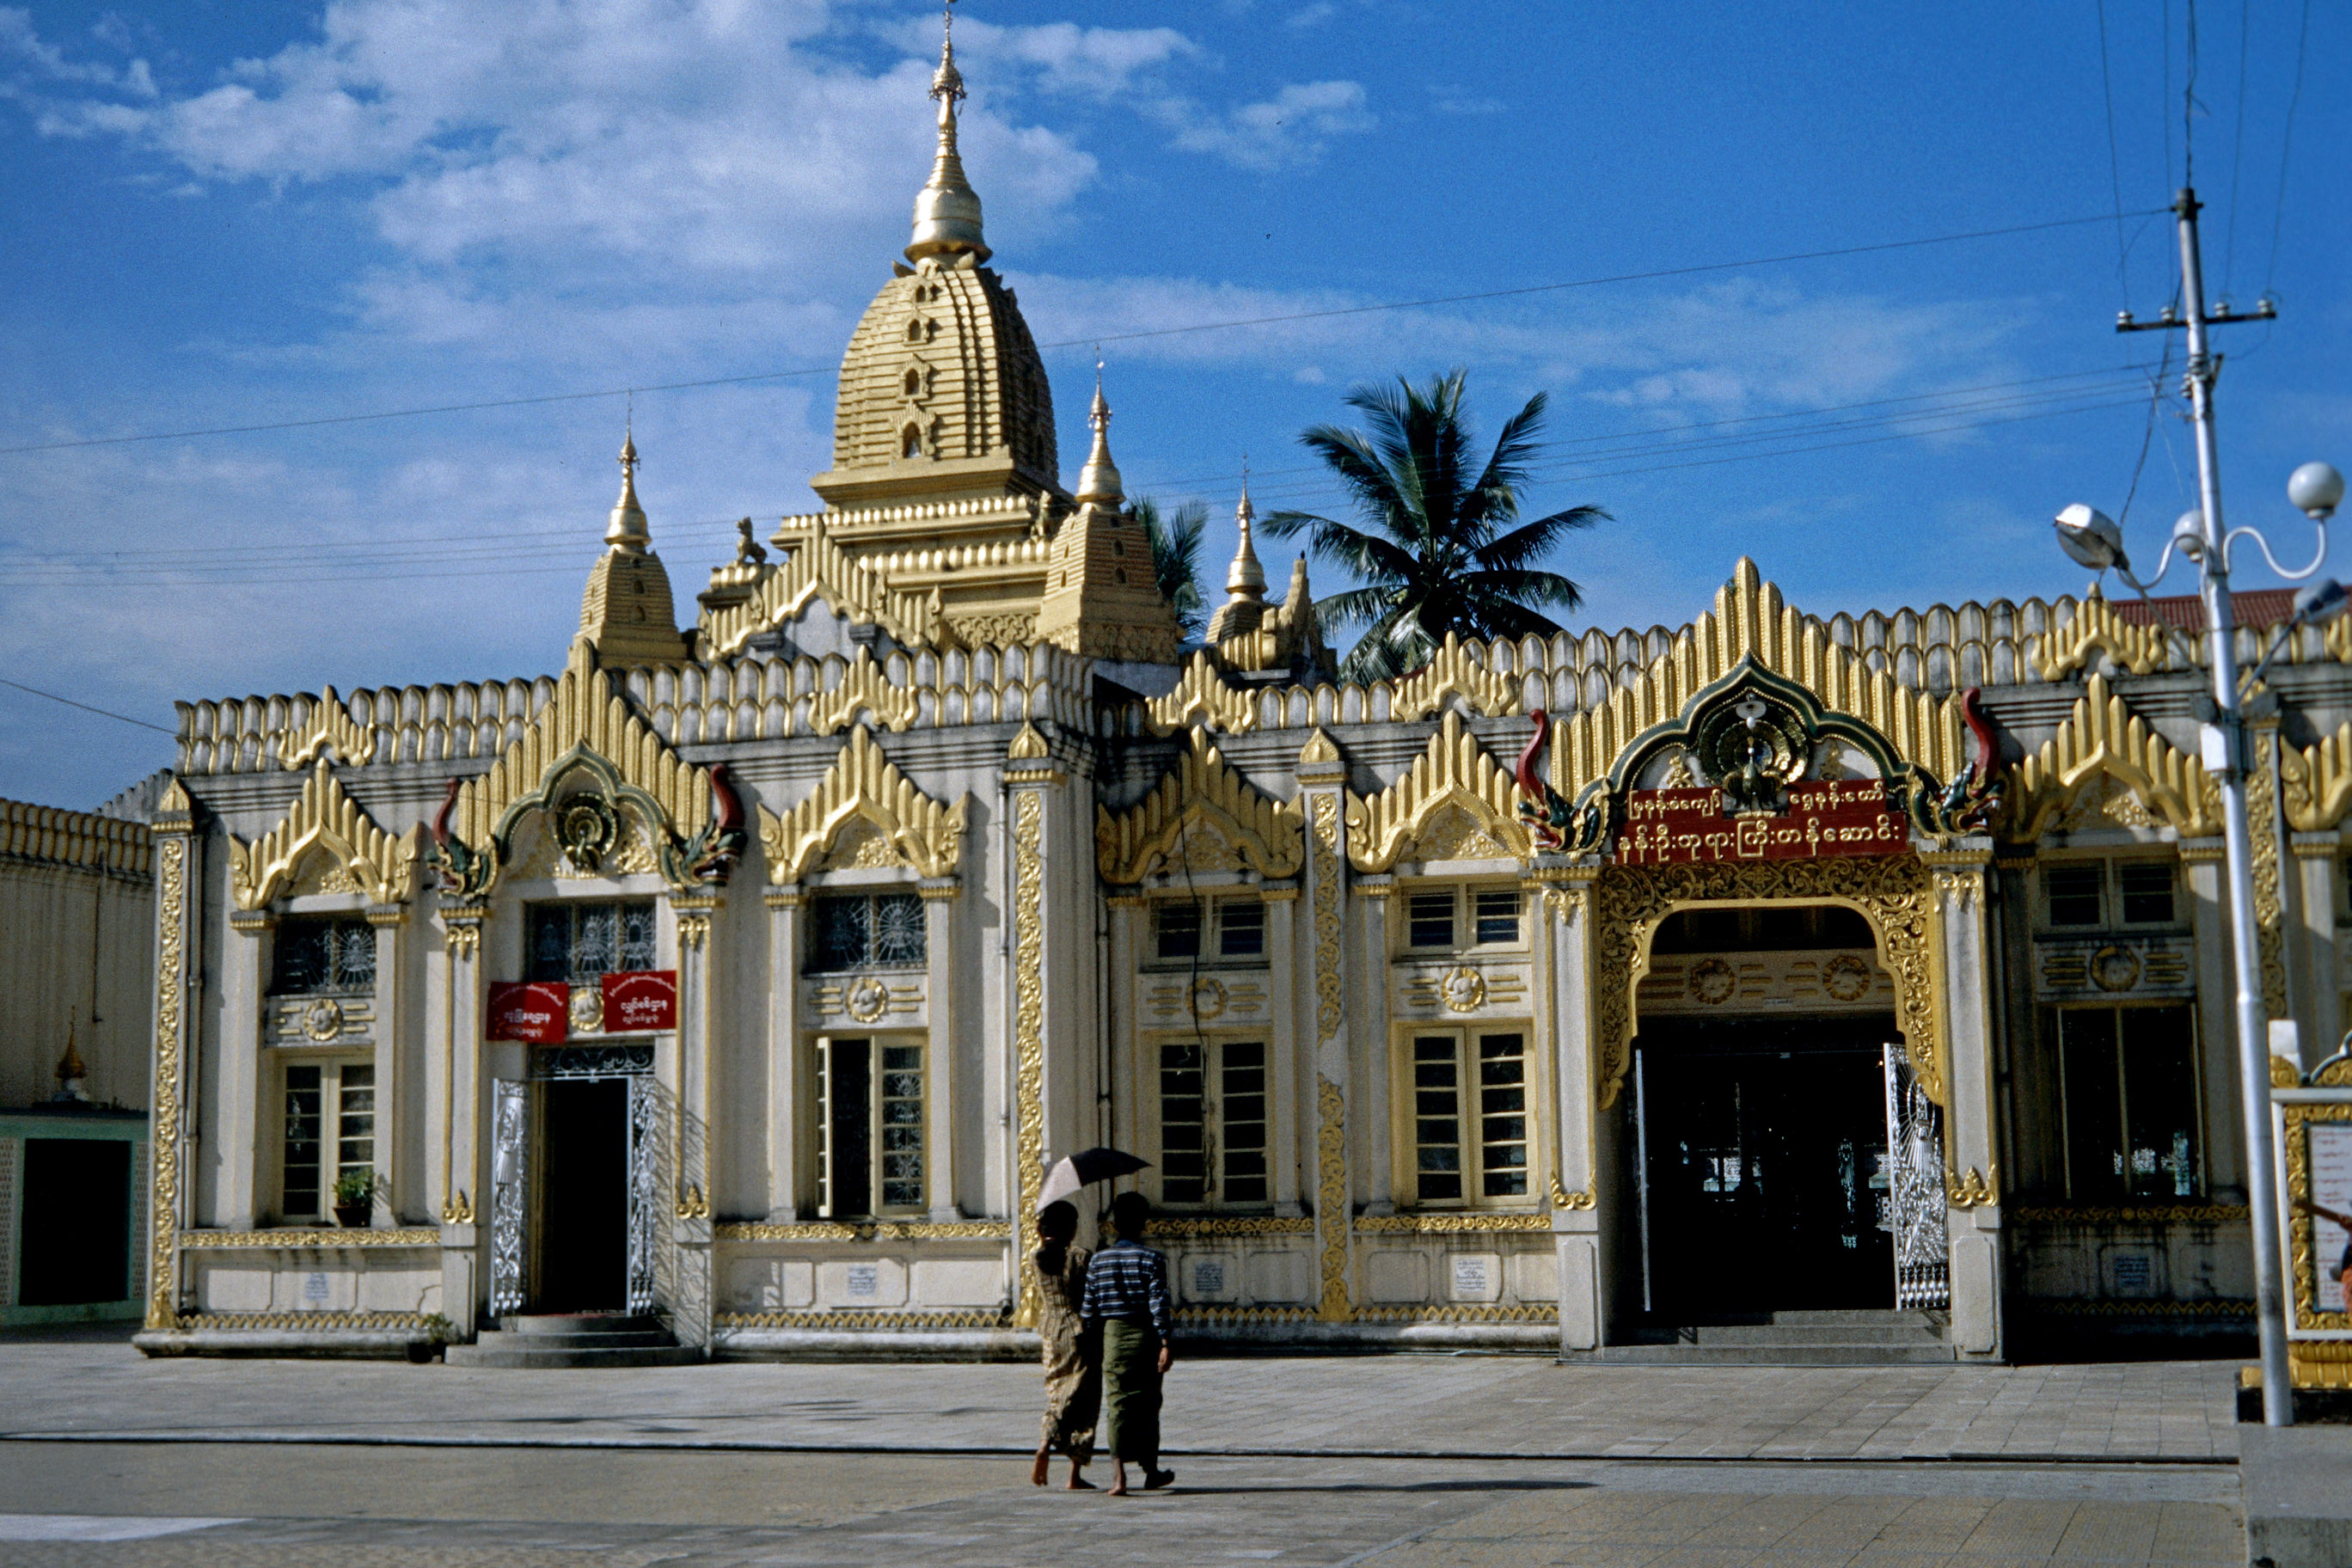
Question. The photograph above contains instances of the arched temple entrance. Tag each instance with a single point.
(1760, 1110)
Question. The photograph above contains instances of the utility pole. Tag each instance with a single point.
(2228, 763)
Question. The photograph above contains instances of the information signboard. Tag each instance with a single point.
(1687, 827)
(529, 1010)
(638, 1000)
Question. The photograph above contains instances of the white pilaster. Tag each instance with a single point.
(941, 902)
(787, 917)
(1972, 1132)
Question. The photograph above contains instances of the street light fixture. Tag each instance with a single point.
(2093, 540)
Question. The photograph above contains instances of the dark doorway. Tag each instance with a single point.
(1766, 1167)
(77, 1225)
(584, 1196)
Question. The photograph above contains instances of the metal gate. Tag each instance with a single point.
(1915, 1188)
(509, 1145)
(645, 1189)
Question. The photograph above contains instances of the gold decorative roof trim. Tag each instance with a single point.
(817, 565)
(864, 688)
(1320, 751)
(1027, 745)
(1203, 790)
(1752, 621)
(2318, 781)
(2104, 736)
(1202, 697)
(2142, 647)
(52, 836)
(1455, 770)
(864, 785)
(330, 726)
(587, 714)
(1456, 670)
(324, 818)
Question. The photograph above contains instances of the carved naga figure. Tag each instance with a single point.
(1975, 793)
(1546, 812)
(716, 849)
(460, 869)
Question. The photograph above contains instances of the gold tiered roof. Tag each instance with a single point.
(946, 523)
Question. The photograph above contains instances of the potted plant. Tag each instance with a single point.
(354, 1198)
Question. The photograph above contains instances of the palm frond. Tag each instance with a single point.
(1176, 542)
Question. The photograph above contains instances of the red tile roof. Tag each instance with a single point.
(2185, 612)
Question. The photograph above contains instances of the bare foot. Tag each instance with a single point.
(1118, 1481)
(1079, 1483)
(1038, 1470)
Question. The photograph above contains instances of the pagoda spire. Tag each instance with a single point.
(1099, 480)
(626, 530)
(947, 210)
(1245, 579)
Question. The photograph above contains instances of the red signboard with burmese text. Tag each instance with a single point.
(640, 1000)
(529, 1010)
(1687, 827)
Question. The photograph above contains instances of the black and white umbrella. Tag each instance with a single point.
(1084, 1169)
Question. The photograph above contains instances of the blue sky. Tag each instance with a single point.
(247, 214)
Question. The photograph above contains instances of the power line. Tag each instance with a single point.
(1091, 338)
(2237, 151)
(86, 708)
(2286, 147)
(2115, 163)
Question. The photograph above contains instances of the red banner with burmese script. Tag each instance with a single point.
(1687, 826)
(637, 1000)
(529, 1010)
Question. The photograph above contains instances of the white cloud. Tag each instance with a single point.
(1286, 131)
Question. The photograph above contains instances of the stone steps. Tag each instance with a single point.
(573, 1340)
(1857, 1337)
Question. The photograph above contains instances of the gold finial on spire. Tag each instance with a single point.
(947, 210)
(626, 530)
(1099, 480)
(1245, 579)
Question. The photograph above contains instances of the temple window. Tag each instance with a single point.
(869, 1133)
(1185, 928)
(2091, 895)
(315, 957)
(578, 943)
(914, 331)
(2130, 1078)
(330, 1133)
(1469, 1117)
(1452, 918)
(866, 931)
(910, 443)
(914, 382)
(1213, 1123)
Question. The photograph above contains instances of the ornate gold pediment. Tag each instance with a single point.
(586, 741)
(328, 825)
(2318, 781)
(331, 729)
(1456, 670)
(1202, 700)
(864, 791)
(864, 689)
(2105, 737)
(1204, 815)
(1456, 773)
(2098, 628)
(1750, 621)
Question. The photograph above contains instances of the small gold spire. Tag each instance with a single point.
(626, 530)
(1099, 480)
(1245, 579)
(947, 210)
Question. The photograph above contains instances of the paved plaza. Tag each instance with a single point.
(108, 1458)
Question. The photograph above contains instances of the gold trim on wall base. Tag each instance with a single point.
(235, 1321)
(878, 1230)
(201, 1240)
(906, 1322)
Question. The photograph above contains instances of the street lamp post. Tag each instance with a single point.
(2095, 541)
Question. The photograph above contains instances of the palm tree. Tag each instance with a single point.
(1443, 550)
(1176, 558)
